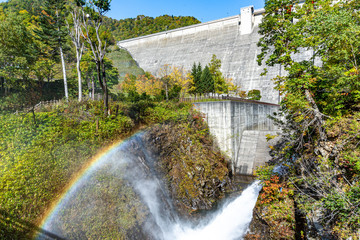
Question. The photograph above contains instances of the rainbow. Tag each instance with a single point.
(86, 168)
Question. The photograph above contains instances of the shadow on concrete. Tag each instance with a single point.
(11, 227)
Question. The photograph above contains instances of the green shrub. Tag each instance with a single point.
(254, 94)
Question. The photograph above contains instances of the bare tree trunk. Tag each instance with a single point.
(98, 49)
(93, 88)
(75, 35)
(34, 116)
(2, 84)
(64, 73)
(106, 94)
(317, 115)
(166, 90)
(101, 75)
(79, 74)
(5, 88)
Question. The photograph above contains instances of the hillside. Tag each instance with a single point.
(124, 63)
(120, 29)
(144, 25)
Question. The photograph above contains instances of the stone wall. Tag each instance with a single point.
(240, 129)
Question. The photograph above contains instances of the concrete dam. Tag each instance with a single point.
(233, 40)
(240, 129)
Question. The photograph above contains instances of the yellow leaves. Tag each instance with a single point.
(23, 12)
(269, 137)
(181, 78)
(152, 85)
(352, 72)
(313, 80)
(128, 84)
(148, 84)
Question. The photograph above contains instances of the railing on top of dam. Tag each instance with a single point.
(223, 98)
(256, 12)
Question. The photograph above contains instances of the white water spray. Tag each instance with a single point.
(89, 201)
(231, 222)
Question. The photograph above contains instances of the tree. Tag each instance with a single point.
(320, 93)
(53, 31)
(206, 81)
(148, 84)
(254, 94)
(330, 33)
(33, 7)
(196, 72)
(182, 79)
(164, 73)
(74, 29)
(18, 50)
(93, 12)
(19, 55)
(199, 85)
(215, 65)
(129, 84)
(221, 86)
(89, 73)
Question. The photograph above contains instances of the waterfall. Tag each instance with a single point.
(231, 222)
(123, 192)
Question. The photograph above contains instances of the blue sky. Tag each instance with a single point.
(203, 10)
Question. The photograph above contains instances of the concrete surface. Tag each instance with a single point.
(240, 129)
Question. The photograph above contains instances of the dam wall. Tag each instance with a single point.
(240, 129)
(233, 40)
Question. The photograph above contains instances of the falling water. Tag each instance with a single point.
(123, 191)
(231, 222)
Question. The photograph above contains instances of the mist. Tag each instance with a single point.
(123, 194)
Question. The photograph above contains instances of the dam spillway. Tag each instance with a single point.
(233, 40)
(240, 129)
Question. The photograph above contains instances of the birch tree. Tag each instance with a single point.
(92, 15)
(74, 29)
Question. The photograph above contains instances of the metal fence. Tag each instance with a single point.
(222, 98)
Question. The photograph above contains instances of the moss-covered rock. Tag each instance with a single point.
(197, 172)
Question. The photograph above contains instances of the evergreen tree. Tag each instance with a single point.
(206, 81)
(196, 74)
(198, 85)
(220, 85)
(53, 31)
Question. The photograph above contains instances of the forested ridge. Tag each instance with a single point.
(143, 25)
(120, 28)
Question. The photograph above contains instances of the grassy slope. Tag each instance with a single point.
(37, 163)
(124, 63)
